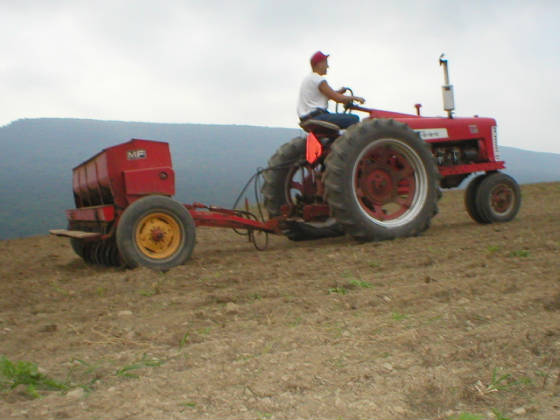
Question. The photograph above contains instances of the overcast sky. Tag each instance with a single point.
(241, 62)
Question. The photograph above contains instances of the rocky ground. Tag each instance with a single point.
(462, 322)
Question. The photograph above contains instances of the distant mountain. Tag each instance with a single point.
(212, 163)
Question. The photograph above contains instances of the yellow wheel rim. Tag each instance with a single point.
(158, 235)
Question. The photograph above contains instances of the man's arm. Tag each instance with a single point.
(338, 96)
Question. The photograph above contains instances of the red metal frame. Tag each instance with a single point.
(204, 215)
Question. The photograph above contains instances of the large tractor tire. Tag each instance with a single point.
(382, 181)
(470, 199)
(291, 179)
(498, 198)
(155, 232)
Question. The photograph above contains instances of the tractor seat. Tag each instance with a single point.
(320, 128)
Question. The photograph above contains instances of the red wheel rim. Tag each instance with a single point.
(301, 184)
(501, 199)
(389, 182)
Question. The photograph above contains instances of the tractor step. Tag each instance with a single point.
(77, 234)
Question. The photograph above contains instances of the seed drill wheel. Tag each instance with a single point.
(155, 232)
(497, 198)
(291, 180)
(381, 181)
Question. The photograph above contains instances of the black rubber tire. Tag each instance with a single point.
(402, 145)
(88, 252)
(132, 252)
(274, 193)
(495, 191)
(470, 200)
(78, 246)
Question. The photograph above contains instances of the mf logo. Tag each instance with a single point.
(136, 154)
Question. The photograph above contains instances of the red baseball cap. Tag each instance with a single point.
(318, 57)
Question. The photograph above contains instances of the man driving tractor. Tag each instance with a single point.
(315, 93)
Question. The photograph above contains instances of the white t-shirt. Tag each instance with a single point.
(310, 97)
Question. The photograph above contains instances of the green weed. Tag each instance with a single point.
(205, 331)
(296, 322)
(339, 290)
(505, 381)
(139, 364)
(468, 416)
(360, 283)
(255, 296)
(499, 415)
(494, 248)
(184, 340)
(397, 316)
(521, 253)
(13, 374)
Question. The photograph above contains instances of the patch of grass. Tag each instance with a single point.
(139, 364)
(499, 415)
(101, 291)
(296, 322)
(59, 289)
(184, 340)
(505, 381)
(204, 331)
(189, 404)
(521, 253)
(492, 249)
(468, 416)
(361, 283)
(13, 374)
(397, 316)
(89, 369)
(339, 290)
(374, 264)
(155, 290)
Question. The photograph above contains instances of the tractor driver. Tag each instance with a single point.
(315, 93)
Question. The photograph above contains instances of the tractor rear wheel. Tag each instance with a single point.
(498, 198)
(155, 232)
(291, 180)
(470, 199)
(382, 181)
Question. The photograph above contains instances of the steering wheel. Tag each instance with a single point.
(346, 106)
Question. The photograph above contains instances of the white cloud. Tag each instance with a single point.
(241, 62)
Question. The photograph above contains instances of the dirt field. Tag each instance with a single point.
(460, 323)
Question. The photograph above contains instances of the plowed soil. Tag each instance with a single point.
(461, 322)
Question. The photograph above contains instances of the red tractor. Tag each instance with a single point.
(380, 179)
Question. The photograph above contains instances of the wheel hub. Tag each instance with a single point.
(158, 235)
(378, 185)
(501, 199)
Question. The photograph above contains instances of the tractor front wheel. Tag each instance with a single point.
(155, 232)
(498, 198)
(470, 199)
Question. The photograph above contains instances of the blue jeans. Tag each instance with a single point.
(342, 120)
